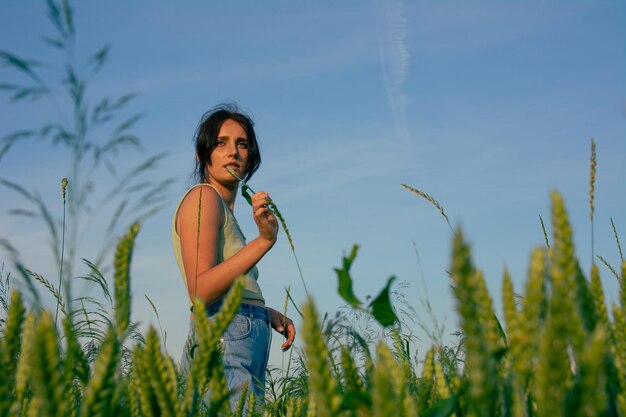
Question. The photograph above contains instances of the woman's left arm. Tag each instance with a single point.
(283, 325)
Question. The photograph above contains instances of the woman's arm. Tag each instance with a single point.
(199, 243)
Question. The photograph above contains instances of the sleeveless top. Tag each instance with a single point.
(231, 241)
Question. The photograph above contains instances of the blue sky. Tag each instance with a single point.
(486, 106)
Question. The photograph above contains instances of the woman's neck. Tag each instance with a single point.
(227, 193)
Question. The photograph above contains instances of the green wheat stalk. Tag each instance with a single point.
(63, 188)
(245, 192)
(432, 201)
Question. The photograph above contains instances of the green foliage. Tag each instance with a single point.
(380, 308)
(345, 280)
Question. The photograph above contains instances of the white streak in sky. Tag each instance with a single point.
(392, 32)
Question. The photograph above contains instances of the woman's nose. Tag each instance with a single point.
(233, 150)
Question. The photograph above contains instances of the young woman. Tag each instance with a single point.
(211, 255)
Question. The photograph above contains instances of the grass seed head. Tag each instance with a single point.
(64, 183)
(592, 179)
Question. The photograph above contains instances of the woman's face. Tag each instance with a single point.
(231, 150)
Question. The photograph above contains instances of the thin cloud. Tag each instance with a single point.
(394, 55)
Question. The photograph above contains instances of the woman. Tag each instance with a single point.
(211, 255)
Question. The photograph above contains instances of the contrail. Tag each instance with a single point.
(392, 32)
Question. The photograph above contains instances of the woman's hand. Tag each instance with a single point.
(263, 217)
(283, 325)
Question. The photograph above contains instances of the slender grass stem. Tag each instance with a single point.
(619, 247)
(286, 305)
(608, 265)
(195, 285)
(64, 183)
(545, 234)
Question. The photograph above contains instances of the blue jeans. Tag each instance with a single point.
(245, 346)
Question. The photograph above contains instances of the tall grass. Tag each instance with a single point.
(92, 132)
(559, 352)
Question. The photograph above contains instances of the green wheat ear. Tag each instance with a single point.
(592, 188)
(322, 383)
(48, 387)
(478, 325)
(123, 255)
(10, 340)
(387, 387)
(98, 397)
(24, 365)
(590, 396)
(161, 374)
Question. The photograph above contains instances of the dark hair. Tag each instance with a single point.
(206, 138)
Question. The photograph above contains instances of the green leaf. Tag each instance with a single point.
(381, 307)
(22, 65)
(100, 57)
(245, 193)
(345, 280)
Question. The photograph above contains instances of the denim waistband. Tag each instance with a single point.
(250, 310)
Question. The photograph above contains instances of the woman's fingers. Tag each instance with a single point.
(259, 200)
(283, 325)
(263, 216)
(290, 334)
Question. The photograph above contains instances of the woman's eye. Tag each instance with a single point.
(220, 143)
(243, 145)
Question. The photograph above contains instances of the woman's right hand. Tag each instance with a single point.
(265, 220)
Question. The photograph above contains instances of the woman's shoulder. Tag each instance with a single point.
(200, 198)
